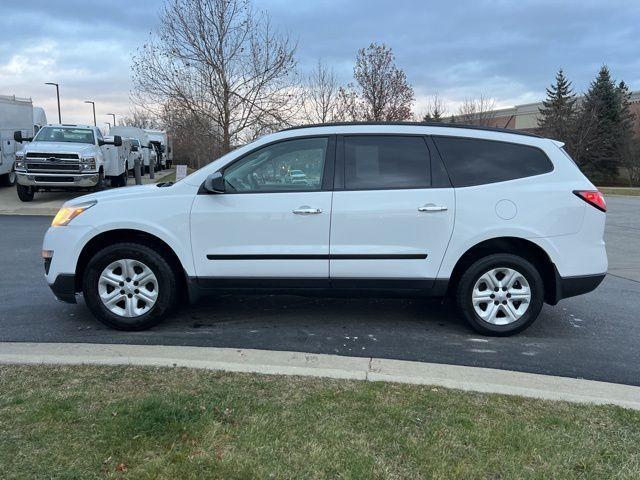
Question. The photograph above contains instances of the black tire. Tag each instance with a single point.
(464, 291)
(25, 193)
(167, 286)
(8, 179)
(100, 185)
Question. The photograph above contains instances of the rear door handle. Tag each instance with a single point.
(430, 207)
(306, 210)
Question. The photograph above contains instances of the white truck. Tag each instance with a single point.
(145, 146)
(64, 157)
(15, 114)
(116, 160)
(160, 139)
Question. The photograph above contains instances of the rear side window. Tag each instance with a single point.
(472, 161)
(380, 162)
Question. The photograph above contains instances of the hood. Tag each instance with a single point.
(133, 192)
(60, 147)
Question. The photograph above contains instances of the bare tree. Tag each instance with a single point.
(223, 63)
(478, 111)
(141, 119)
(436, 110)
(380, 92)
(320, 104)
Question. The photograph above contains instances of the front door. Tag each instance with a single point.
(388, 223)
(273, 221)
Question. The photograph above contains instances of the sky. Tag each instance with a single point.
(507, 50)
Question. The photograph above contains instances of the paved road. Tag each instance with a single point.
(596, 336)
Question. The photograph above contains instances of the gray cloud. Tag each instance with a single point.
(504, 49)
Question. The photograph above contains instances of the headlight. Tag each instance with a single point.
(66, 214)
(19, 164)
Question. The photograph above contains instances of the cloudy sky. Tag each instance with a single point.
(506, 49)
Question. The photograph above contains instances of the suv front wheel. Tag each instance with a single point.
(500, 294)
(129, 286)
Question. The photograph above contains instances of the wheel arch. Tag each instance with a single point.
(521, 247)
(123, 235)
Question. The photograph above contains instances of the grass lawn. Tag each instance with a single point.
(130, 422)
(172, 177)
(619, 191)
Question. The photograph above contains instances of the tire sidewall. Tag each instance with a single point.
(480, 267)
(159, 266)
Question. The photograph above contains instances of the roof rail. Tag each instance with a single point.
(418, 124)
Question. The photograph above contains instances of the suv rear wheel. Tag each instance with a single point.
(129, 286)
(500, 294)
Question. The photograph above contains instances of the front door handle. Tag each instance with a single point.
(430, 207)
(306, 210)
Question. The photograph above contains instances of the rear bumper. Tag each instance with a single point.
(64, 288)
(572, 286)
(83, 180)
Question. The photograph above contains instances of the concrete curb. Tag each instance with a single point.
(475, 379)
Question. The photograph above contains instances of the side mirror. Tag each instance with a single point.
(117, 140)
(134, 148)
(215, 183)
(17, 136)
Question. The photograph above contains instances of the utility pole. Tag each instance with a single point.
(58, 96)
(95, 124)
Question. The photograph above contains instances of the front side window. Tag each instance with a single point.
(292, 165)
(65, 134)
(386, 162)
(472, 161)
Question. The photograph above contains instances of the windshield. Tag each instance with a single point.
(65, 134)
(135, 142)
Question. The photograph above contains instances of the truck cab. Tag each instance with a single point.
(62, 157)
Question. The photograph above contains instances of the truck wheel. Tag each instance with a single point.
(500, 294)
(8, 179)
(129, 286)
(25, 193)
(100, 185)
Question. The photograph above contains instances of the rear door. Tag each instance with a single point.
(393, 211)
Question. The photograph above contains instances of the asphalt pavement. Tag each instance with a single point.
(595, 336)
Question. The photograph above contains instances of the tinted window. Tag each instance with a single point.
(293, 165)
(471, 161)
(378, 162)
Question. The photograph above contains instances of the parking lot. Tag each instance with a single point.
(595, 336)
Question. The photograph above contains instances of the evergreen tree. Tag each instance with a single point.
(601, 115)
(628, 151)
(559, 110)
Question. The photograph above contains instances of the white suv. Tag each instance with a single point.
(499, 221)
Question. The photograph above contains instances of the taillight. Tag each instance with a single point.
(592, 197)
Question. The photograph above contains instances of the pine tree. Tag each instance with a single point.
(602, 117)
(628, 151)
(559, 109)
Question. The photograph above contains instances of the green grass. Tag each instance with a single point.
(620, 191)
(145, 423)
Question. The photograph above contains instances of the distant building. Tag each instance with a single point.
(525, 117)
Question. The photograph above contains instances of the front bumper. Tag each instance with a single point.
(60, 180)
(64, 288)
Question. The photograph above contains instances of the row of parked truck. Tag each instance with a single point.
(36, 156)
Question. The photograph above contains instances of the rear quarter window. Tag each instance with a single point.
(472, 161)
